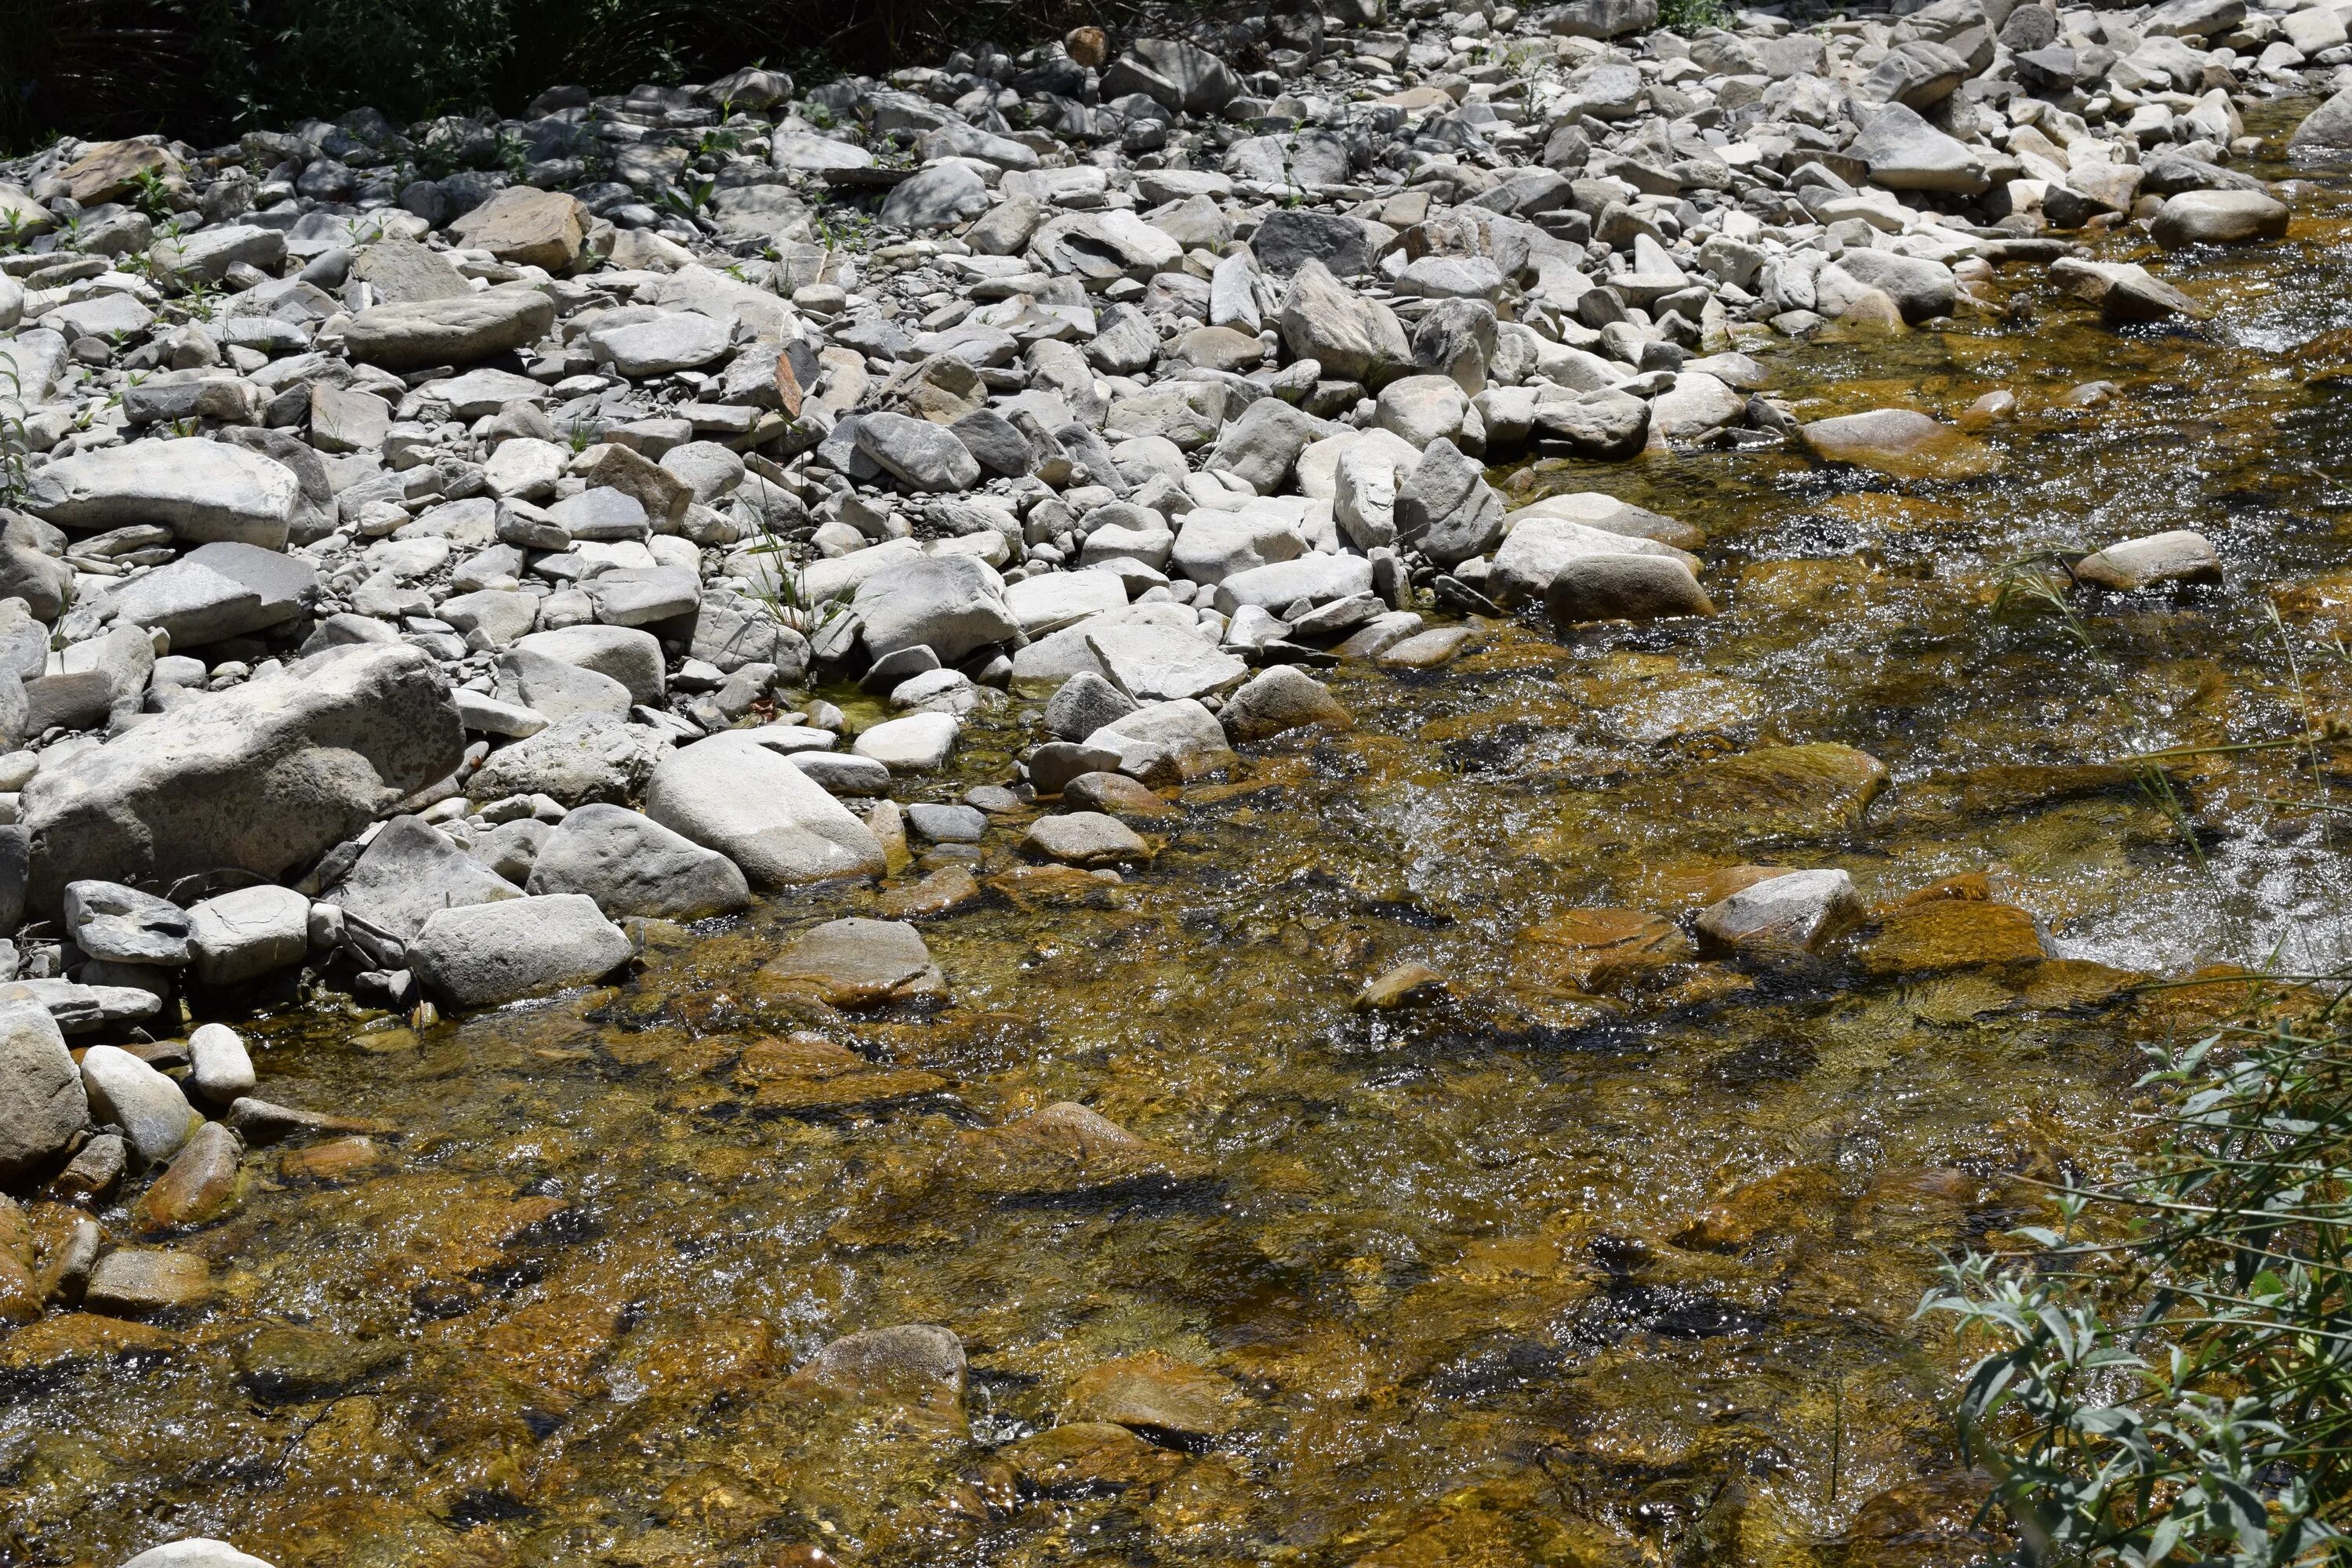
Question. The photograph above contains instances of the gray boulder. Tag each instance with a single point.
(953, 604)
(201, 490)
(625, 654)
(731, 794)
(1085, 703)
(1907, 154)
(1922, 289)
(940, 196)
(1181, 75)
(1447, 508)
(487, 955)
(154, 1116)
(2327, 129)
(1623, 588)
(123, 925)
(409, 872)
(1352, 337)
(2218, 217)
(1290, 237)
(263, 777)
(459, 329)
(1602, 19)
(42, 1104)
(1264, 444)
(632, 865)
(531, 680)
(220, 590)
(587, 758)
(248, 933)
(920, 455)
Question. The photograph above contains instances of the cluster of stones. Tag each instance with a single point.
(423, 546)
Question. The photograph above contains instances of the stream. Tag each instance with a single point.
(1608, 1255)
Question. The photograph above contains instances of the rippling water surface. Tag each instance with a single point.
(1611, 1258)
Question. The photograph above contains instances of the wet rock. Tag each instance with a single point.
(631, 865)
(916, 1365)
(140, 1282)
(154, 1116)
(71, 1340)
(1431, 650)
(1623, 588)
(806, 1074)
(246, 935)
(1820, 787)
(1085, 838)
(2327, 129)
(2218, 218)
(199, 1185)
(283, 1364)
(1538, 548)
(1167, 742)
(488, 953)
(409, 872)
(329, 743)
(856, 962)
(1066, 1150)
(461, 330)
(1154, 1393)
(201, 490)
(1406, 985)
(1279, 699)
(42, 1102)
(1798, 909)
(222, 1068)
(1113, 793)
(1086, 1459)
(2125, 293)
(2161, 560)
(1902, 442)
(1950, 933)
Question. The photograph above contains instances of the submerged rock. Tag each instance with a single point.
(1066, 1150)
(856, 962)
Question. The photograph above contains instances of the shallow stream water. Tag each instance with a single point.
(1608, 1256)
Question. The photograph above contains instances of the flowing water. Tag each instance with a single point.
(1608, 1257)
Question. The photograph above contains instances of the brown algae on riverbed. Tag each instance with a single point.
(1605, 1252)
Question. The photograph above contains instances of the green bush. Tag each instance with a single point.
(2170, 1376)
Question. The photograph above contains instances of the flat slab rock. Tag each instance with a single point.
(1066, 1150)
(858, 962)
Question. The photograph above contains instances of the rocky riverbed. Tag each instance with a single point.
(1319, 791)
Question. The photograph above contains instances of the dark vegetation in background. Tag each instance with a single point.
(204, 70)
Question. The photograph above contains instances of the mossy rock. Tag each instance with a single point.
(1950, 933)
(1811, 790)
(1085, 1457)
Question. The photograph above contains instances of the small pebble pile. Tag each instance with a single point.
(423, 546)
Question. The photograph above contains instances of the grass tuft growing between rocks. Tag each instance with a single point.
(2169, 1376)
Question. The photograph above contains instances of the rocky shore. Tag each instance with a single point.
(424, 549)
